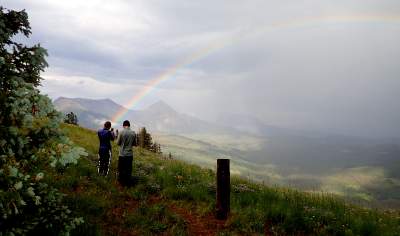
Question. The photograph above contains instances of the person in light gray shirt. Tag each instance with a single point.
(126, 141)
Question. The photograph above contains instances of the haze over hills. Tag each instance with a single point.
(91, 113)
(355, 167)
(159, 117)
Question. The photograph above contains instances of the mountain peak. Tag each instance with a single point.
(161, 107)
(104, 101)
(61, 99)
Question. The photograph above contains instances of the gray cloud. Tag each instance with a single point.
(340, 75)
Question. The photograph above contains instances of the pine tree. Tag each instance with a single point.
(159, 149)
(75, 119)
(156, 148)
(145, 139)
(71, 118)
(31, 142)
(141, 137)
(148, 141)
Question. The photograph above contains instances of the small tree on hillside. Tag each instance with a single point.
(71, 118)
(145, 139)
(156, 148)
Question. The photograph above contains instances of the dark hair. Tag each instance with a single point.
(107, 125)
(126, 123)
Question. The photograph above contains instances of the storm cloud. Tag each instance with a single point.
(339, 75)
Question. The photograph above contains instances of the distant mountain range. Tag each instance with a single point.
(159, 117)
(91, 113)
(364, 168)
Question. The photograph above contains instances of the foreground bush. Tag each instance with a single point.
(32, 146)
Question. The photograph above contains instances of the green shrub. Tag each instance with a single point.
(32, 146)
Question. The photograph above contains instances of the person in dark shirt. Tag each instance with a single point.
(105, 137)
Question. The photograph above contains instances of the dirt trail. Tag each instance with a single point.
(116, 217)
(197, 225)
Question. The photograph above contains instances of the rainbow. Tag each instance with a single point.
(169, 73)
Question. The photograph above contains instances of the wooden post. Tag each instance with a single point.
(223, 189)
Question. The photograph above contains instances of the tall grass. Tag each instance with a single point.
(255, 208)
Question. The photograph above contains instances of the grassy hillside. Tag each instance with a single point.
(360, 176)
(172, 197)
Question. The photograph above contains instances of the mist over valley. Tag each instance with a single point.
(361, 169)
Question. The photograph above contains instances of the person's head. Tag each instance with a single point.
(107, 125)
(126, 124)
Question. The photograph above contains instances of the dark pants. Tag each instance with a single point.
(104, 161)
(125, 169)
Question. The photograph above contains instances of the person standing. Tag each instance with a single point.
(105, 137)
(126, 140)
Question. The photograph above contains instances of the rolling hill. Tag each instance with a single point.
(363, 170)
(171, 197)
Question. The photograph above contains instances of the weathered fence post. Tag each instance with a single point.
(223, 189)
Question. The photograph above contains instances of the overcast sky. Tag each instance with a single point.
(309, 64)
